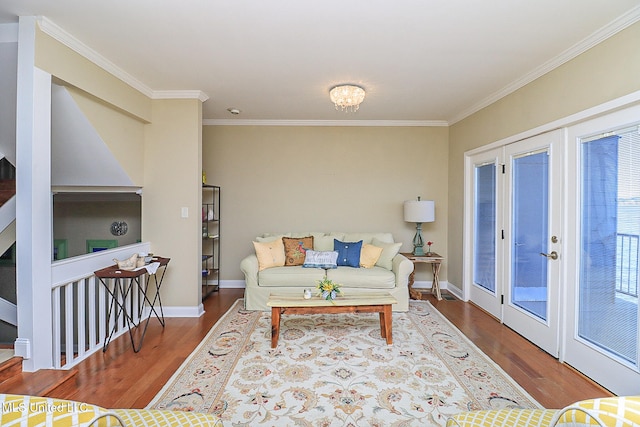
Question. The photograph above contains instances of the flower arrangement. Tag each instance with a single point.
(327, 289)
(429, 247)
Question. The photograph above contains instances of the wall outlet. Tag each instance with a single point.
(185, 213)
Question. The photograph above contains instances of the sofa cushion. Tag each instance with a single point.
(368, 237)
(348, 253)
(389, 250)
(294, 276)
(271, 237)
(295, 248)
(369, 255)
(270, 254)
(325, 241)
(369, 278)
(320, 259)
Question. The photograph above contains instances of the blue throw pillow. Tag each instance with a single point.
(348, 253)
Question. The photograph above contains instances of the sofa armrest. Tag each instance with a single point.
(154, 417)
(606, 411)
(503, 418)
(249, 267)
(402, 268)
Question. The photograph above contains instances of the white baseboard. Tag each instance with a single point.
(232, 284)
(181, 311)
(424, 284)
(22, 348)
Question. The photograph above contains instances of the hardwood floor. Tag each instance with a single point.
(121, 378)
(551, 383)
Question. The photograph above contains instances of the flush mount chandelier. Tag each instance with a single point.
(347, 97)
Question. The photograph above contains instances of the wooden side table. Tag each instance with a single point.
(435, 260)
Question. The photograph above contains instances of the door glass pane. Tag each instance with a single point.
(530, 233)
(484, 250)
(610, 230)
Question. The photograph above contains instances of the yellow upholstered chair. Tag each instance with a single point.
(605, 412)
(609, 411)
(34, 411)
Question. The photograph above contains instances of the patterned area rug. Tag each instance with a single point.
(336, 370)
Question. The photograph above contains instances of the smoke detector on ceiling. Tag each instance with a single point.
(233, 111)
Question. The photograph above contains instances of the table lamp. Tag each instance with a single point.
(419, 211)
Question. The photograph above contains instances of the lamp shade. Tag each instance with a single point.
(419, 211)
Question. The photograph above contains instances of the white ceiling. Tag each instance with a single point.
(419, 60)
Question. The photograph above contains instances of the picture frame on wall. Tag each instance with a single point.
(60, 250)
(97, 245)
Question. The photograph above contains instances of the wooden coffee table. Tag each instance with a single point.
(379, 302)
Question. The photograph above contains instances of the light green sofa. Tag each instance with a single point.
(294, 279)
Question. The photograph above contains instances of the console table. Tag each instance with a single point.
(435, 260)
(117, 281)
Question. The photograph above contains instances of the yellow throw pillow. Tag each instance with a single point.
(270, 254)
(369, 255)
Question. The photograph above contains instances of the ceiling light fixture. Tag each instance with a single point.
(347, 97)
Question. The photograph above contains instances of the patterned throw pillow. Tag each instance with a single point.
(295, 249)
(369, 255)
(348, 253)
(270, 254)
(321, 259)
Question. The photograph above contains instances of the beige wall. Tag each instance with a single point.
(172, 177)
(163, 138)
(605, 72)
(324, 179)
(123, 134)
(76, 70)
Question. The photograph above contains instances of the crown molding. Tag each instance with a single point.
(53, 30)
(50, 28)
(180, 94)
(597, 37)
(9, 33)
(389, 123)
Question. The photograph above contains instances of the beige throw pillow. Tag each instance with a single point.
(270, 254)
(389, 250)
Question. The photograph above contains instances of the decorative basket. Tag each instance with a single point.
(129, 263)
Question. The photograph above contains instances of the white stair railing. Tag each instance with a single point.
(80, 305)
(7, 213)
(8, 312)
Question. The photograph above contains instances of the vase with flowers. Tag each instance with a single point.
(429, 248)
(328, 289)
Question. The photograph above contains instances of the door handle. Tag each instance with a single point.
(552, 255)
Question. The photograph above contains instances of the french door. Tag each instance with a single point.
(516, 215)
(553, 248)
(603, 333)
(533, 185)
(486, 248)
